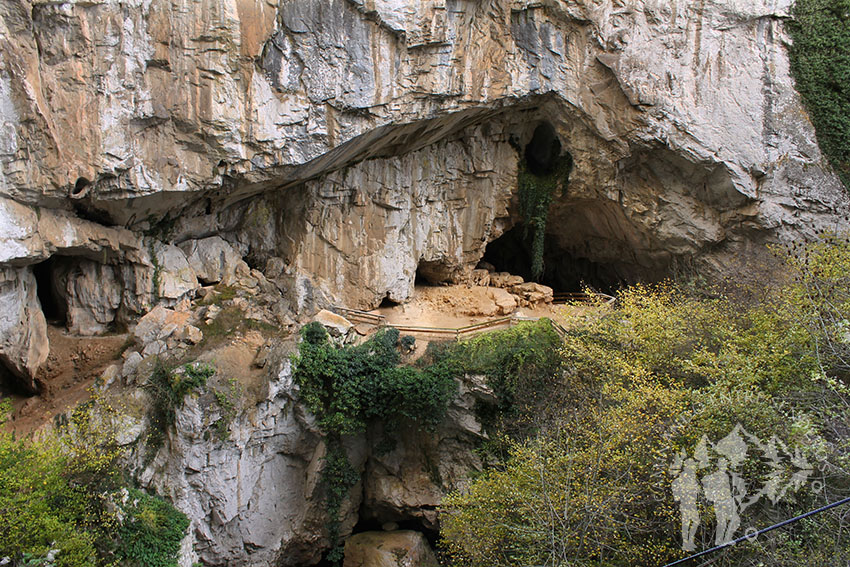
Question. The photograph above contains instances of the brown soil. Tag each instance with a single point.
(72, 366)
(459, 305)
(235, 360)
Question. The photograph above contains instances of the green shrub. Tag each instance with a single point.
(590, 483)
(348, 387)
(345, 387)
(58, 499)
(520, 364)
(167, 389)
(151, 531)
(40, 509)
(820, 63)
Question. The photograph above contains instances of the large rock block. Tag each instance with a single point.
(212, 259)
(403, 548)
(175, 276)
(93, 294)
(533, 292)
(23, 329)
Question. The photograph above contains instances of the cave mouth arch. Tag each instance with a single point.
(564, 270)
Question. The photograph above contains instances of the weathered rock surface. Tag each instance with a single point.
(23, 329)
(256, 498)
(403, 548)
(337, 325)
(360, 144)
(687, 136)
(348, 146)
(533, 292)
(159, 324)
(409, 481)
(212, 259)
(505, 302)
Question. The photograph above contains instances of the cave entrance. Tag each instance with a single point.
(50, 295)
(542, 153)
(563, 271)
(434, 272)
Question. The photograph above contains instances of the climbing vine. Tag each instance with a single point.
(535, 196)
(167, 388)
(346, 387)
(820, 63)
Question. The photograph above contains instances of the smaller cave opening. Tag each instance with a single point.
(563, 271)
(80, 188)
(387, 303)
(543, 151)
(432, 273)
(48, 288)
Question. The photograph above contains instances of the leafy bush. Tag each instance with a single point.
(40, 510)
(347, 387)
(151, 530)
(58, 496)
(642, 383)
(167, 389)
(521, 364)
(820, 63)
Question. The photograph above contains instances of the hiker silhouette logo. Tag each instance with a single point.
(711, 476)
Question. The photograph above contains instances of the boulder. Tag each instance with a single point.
(159, 324)
(533, 292)
(23, 330)
(403, 548)
(337, 325)
(212, 259)
(504, 279)
(176, 276)
(191, 334)
(505, 302)
(479, 277)
(93, 294)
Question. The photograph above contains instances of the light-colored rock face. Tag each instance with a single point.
(256, 498)
(23, 329)
(171, 99)
(359, 143)
(212, 259)
(345, 145)
(361, 233)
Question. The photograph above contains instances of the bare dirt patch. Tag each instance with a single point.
(457, 306)
(72, 366)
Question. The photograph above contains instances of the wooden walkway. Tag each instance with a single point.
(461, 332)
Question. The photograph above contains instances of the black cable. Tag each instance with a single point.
(760, 532)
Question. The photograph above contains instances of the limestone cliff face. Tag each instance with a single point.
(257, 498)
(688, 138)
(342, 147)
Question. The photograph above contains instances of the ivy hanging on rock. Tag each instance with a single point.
(536, 192)
(820, 63)
(346, 387)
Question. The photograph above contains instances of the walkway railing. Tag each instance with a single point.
(456, 333)
(583, 298)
